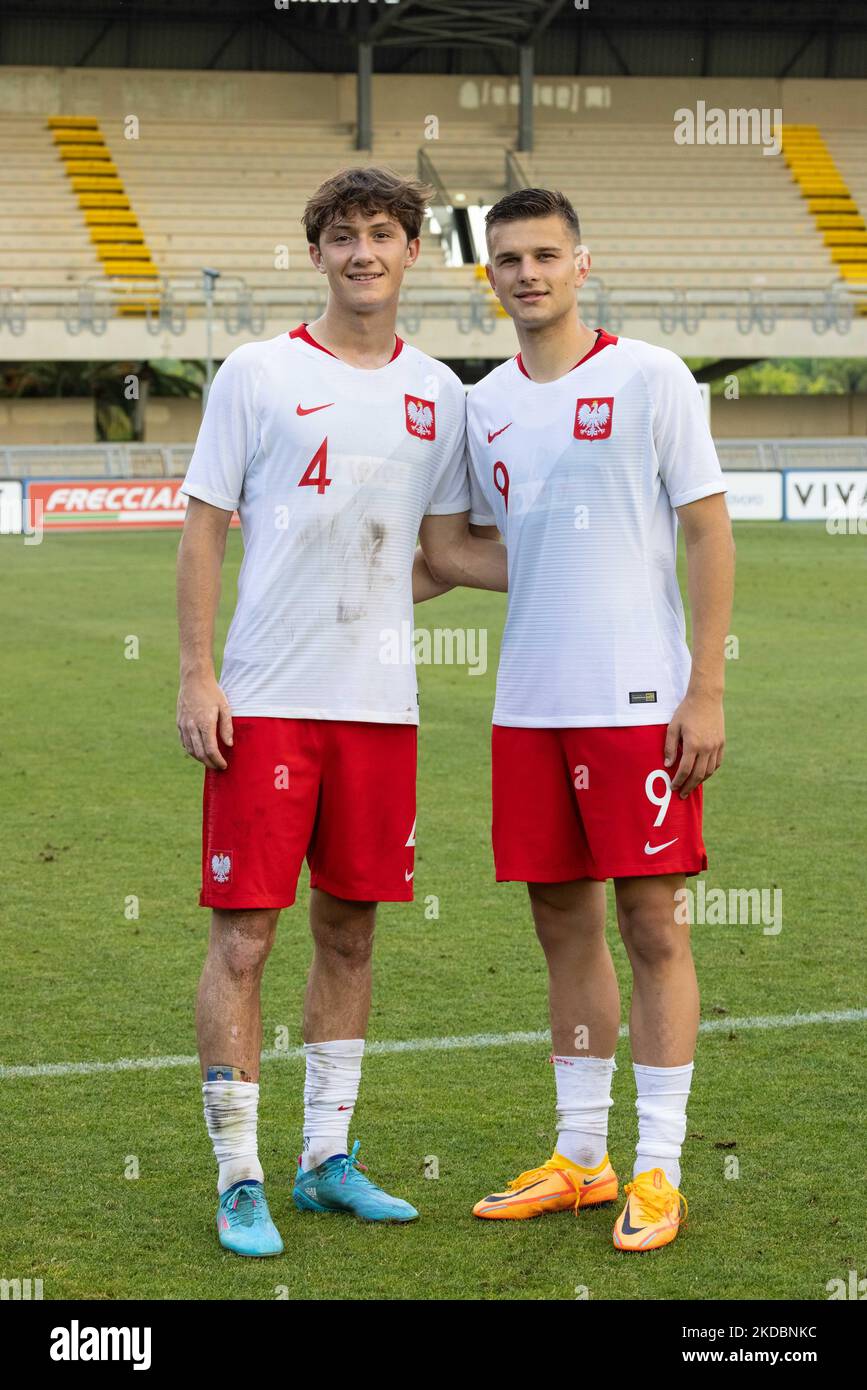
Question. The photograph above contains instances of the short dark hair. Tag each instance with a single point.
(534, 202)
(368, 191)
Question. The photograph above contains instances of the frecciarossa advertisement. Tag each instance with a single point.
(108, 504)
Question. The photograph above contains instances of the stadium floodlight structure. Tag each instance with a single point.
(510, 24)
(209, 279)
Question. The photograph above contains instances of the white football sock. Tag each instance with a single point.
(583, 1101)
(230, 1114)
(661, 1105)
(330, 1093)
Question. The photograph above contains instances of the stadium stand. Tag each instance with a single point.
(709, 224)
(702, 217)
(232, 195)
(44, 241)
(229, 195)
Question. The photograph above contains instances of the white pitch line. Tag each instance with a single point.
(379, 1049)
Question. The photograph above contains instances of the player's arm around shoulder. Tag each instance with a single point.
(455, 552)
(698, 722)
(202, 705)
(452, 550)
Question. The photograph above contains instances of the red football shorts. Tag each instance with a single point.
(340, 792)
(590, 803)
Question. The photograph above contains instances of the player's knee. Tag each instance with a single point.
(650, 936)
(558, 932)
(348, 942)
(243, 940)
(564, 917)
(548, 900)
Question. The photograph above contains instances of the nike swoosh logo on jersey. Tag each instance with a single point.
(299, 409)
(654, 849)
(492, 437)
(408, 874)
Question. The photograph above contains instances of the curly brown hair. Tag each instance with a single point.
(368, 191)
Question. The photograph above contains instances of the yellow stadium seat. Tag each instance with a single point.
(855, 236)
(78, 122)
(110, 217)
(129, 268)
(108, 236)
(829, 221)
(92, 152)
(78, 137)
(138, 310)
(91, 166)
(104, 200)
(118, 251)
(86, 183)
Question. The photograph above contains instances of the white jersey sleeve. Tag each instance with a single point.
(451, 492)
(688, 462)
(228, 437)
(480, 512)
(480, 507)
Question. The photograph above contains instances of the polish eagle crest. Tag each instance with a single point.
(593, 418)
(420, 417)
(221, 867)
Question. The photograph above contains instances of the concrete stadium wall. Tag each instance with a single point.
(64, 420)
(788, 417)
(328, 98)
(172, 419)
(176, 420)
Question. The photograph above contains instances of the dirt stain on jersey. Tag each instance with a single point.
(368, 547)
(374, 539)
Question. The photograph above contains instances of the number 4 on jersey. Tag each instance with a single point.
(316, 474)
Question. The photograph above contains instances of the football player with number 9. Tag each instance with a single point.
(604, 727)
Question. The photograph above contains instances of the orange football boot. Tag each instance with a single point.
(652, 1215)
(558, 1185)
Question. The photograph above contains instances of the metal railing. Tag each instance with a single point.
(441, 215)
(779, 454)
(170, 305)
(68, 461)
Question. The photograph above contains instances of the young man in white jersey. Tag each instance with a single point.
(585, 451)
(339, 444)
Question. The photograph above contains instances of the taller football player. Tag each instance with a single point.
(339, 444)
(586, 450)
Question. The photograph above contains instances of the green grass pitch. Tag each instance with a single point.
(101, 803)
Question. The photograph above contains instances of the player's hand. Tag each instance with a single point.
(698, 724)
(202, 706)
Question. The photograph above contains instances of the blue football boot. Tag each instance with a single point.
(244, 1221)
(339, 1184)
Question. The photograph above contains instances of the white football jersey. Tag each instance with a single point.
(331, 468)
(581, 475)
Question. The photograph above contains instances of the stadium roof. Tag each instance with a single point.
(737, 38)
